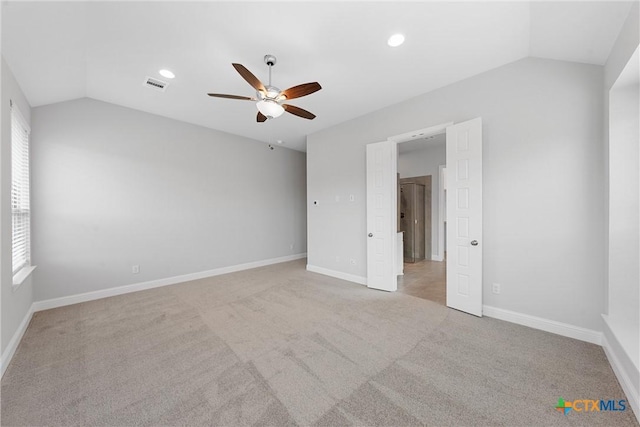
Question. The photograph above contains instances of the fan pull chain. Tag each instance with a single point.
(270, 126)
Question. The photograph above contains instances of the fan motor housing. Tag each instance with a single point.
(270, 59)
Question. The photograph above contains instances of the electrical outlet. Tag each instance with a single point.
(291, 246)
(135, 269)
(352, 261)
(496, 288)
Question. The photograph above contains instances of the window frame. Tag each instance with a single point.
(20, 195)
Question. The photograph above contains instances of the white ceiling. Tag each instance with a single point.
(104, 50)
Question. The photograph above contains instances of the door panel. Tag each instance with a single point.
(381, 216)
(464, 216)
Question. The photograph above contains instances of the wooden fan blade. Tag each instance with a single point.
(222, 95)
(261, 117)
(249, 77)
(297, 111)
(301, 90)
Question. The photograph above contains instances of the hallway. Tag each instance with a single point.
(424, 279)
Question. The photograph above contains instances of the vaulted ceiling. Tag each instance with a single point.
(60, 51)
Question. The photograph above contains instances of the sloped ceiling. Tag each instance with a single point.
(104, 50)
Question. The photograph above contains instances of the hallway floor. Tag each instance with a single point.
(424, 279)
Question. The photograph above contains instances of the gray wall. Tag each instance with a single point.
(426, 161)
(115, 187)
(543, 183)
(15, 304)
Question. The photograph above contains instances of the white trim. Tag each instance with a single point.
(104, 293)
(547, 325)
(437, 258)
(441, 210)
(22, 275)
(400, 253)
(8, 353)
(622, 366)
(338, 274)
(15, 109)
(421, 133)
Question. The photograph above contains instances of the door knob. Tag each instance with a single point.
(370, 234)
(474, 243)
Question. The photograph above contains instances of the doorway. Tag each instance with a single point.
(463, 178)
(420, 161)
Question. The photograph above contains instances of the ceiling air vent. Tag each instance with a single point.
(155, 84)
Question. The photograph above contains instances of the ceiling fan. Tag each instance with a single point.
(269, 98)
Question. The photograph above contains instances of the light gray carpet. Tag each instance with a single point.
(281, 346)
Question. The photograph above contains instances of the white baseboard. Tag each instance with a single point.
(437, 258)
(547, 325)
(622, 366)
(338, 274)
(104, 293)
(8, 353)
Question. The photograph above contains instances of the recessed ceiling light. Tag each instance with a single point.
(280, 141)
(166, 73)
(395, 40)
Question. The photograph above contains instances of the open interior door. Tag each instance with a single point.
(381, 216)
(464, 216)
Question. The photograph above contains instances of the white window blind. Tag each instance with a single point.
(20, 211)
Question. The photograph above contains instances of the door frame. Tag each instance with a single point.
(442, 211)
(420, 134)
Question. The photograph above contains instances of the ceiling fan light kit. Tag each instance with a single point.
(270, 108)
(270, 98)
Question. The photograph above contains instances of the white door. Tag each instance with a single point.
(464, 216)
(381, 215)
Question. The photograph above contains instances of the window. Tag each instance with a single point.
(20, 212)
